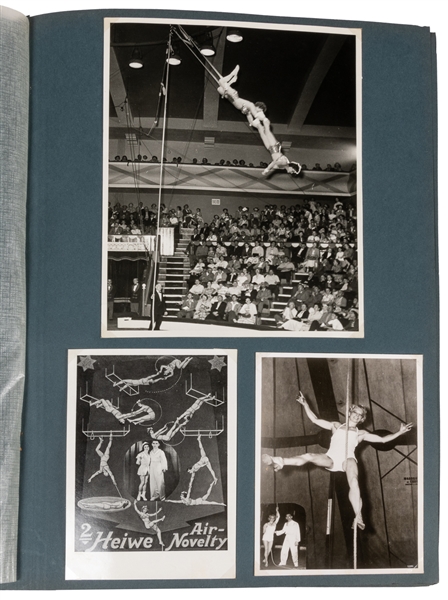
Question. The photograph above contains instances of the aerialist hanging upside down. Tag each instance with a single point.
(165, 372)
(167, 432)
(257, 119)
(104, 461)
(202, 462)
(341, 454)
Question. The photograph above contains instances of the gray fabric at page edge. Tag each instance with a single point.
(14, 93)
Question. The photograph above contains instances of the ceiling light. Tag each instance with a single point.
(136, 60)
(208, 50)
(174, 59)
(234, 36)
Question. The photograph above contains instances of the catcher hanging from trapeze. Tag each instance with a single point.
(254, 112)
(163, 373)
(341, 454)
(168, 431)
(143, 414)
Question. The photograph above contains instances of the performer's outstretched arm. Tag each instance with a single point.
(377, 439)
(312, 417)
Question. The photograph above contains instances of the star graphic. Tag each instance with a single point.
(217, 362)
(86, 362)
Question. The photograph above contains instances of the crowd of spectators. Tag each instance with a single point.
(242, 263)
(229, 163)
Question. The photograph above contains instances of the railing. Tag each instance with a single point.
(143, 243)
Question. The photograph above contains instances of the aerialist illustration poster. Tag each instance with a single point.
(151, 464)
(235, 207)
(332, 499)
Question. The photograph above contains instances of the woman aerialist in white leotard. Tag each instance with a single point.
(341, 453)
(268, 534)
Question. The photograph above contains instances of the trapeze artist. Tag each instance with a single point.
(167, 432)
(145, 517)
(163, 373)
(341, 454)
(104, 460)
(137, 417)
(185, 498)
(202, 462)
(255, 114)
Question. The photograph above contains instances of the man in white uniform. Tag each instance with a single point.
(291, 542)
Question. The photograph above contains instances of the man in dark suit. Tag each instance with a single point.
(218, 310)
(158, 307)
(135, 293)
(110, 299)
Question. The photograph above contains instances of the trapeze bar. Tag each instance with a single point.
(123, 387)
(210, 433)
(197, 395)
(92, 434)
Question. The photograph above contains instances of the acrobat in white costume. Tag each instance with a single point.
(143, 459)
(341, 454)
(165, 372)
(167, 432)
(185, 499)
(145, 517)
(202, 462)
(142, 415)
(104, 459)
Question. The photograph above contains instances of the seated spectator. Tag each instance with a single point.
(197, 289)
(263, 298)
(286, 268)
(273, 281)
(232, 309)
(257, 279)
(288, 313)
(203, 307)
(187, 307)
(218, 309)
(247, 313)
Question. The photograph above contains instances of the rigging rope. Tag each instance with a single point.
(162, 156)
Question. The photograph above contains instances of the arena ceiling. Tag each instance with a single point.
(307, 79)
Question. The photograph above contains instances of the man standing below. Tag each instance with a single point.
(158, 307)
(135, 292)
(110, 299)
(291, 542)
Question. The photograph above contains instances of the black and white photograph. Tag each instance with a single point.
(339, 465)
(151, 465)
(232, 192)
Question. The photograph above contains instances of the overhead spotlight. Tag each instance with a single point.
(136, 60)
(124, 158)
(234, 35)
(145, 157)
(174, 59)
(117, 158)
(208, 49)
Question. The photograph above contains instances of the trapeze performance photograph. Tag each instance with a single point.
(339, 465)
(232, 200)
(151, 464)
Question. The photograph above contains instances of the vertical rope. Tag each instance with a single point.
(347, 407)
(355, 543)
(156, 250)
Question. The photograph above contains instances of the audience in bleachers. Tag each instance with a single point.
(297, 264)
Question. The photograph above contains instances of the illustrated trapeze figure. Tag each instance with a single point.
(163, 373)
(185, 498)
(137, 417)
(104, 504)
(201, 463)
(145, 516)
(255, 114)
(168, 431)
(104, 460)
(341, 454)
